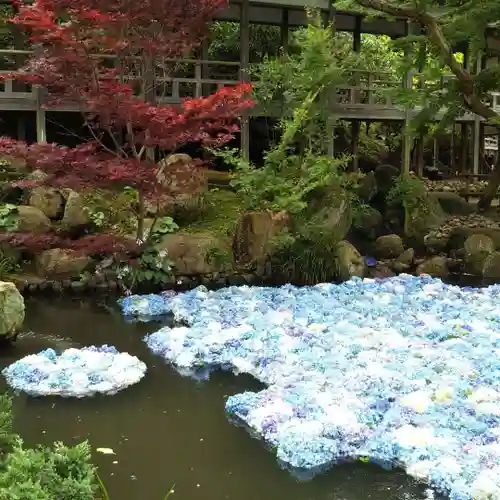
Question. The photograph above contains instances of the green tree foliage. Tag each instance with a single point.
(447, 26)
(377, 54)
(298, 176)
(299, 84)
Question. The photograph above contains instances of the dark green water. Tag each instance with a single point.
(168, 429)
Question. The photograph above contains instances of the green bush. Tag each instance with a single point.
(44, 473)
(299, 177)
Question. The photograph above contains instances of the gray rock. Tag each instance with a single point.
(194, 254)
(389, 246)
(479, 243)
(61, 263)
(11, 309)
(404, 261)
(491, 266)
(349, 261)
(435, 266)
(453, 203)
(32, 220)
(48, 200)
(75, 214)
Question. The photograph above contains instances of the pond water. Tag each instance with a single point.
(168, 430)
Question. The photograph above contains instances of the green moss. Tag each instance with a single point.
(110, 210)
(218, 214)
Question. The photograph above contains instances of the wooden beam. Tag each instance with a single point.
(244, 63)
(284, 31)
(406, 149)
(356, 39)
(477, 128)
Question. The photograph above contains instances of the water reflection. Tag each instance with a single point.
(168, 429)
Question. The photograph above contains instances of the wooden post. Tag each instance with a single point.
(421, 137)
(41, 122)
(464, 132)
(284, 31)
(406, 149)
(330, 126)
(21, 127)
(453, 166)
(355, 130)
(435, 152)
(420, 156)
(244, 62)
(205, 69)
(477, 128)
(464, 148)
(355, 124)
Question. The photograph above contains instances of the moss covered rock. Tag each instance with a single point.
(61, 263)
(197, 254)
(11, 310)
(349, 261)
(48, 200)
(422, 214)
(389, 246)
(491, 266)
(75, 215)
(435, 266)
(32, 220)
(254, 235)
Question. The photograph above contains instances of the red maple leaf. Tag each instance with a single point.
(104, 57)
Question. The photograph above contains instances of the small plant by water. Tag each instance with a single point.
(8, 217)
(153, 265)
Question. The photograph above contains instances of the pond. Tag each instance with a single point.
(168, 430)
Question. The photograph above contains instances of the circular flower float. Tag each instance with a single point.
(75, 372)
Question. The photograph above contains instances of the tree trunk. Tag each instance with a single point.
(491, 189)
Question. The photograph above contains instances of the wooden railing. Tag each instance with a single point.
(180, 78)
(367, 88)
(174, 80)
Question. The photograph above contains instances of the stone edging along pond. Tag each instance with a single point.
(35, 285)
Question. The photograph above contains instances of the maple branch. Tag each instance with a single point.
(435, 34)
(97, 139)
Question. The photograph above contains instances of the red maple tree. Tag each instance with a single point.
(109, 59)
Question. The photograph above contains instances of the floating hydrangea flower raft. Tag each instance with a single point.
(75, 372)
(403, 372)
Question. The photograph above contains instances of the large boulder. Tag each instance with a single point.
(254, 236)
(32, 220)
(11, 310)
(404, 261)
(491, 266)
(459, 235)
(435, 266)
(48, 200)
(183, 183)
(75, 216)
(452, 203)
(476, 248)
(479, 243)
(422, 214)
(196, 253)
(389, 246)
(349, 261)
(59, 263)
(328, 217)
